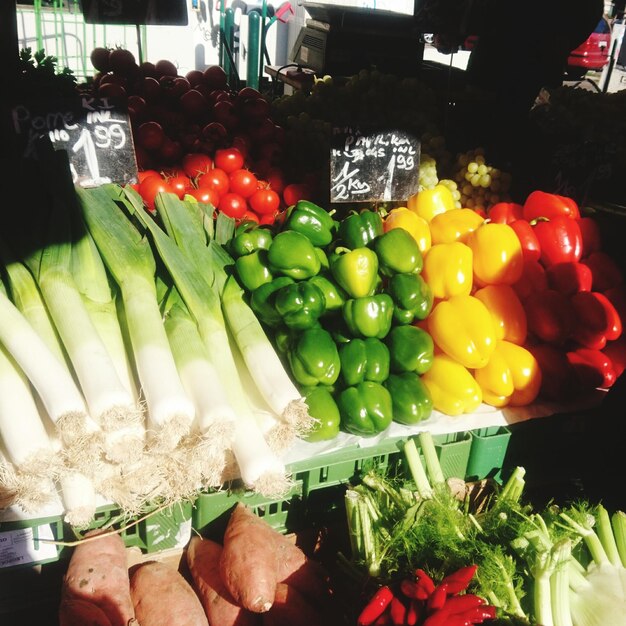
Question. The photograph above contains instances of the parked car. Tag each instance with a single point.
(592, 54)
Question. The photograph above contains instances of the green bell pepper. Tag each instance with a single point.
(411, 349)
(292, 254)
(249, 239)
(324, 409)
(300, 304)
(263, 300)
(253, 269)
(356, 271)
(370, 316)
(314, 358)
(366, 409)
(398, 253)
(364, 359)
(357, 230)
(334, 295)
(312, 221)
(412, 297)
(323, 257)
(411, 400)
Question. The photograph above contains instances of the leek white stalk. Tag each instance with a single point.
(55, 385)
(79, 498)
(260, 468)
(107, 399)
(21, 429)
(129, 260)
(266, 369)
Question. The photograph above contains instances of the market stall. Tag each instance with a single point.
(319, 313)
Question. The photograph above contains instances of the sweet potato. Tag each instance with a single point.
(162, 597)
(291, 608)
(203, 558)
(77, 612)
(297, 570)
(248, 560)
(97, 575)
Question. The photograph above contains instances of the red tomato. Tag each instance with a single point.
(196, 163)
(250, 216)
(229, 159)
(145, 173)
(243, 182)
(180, 184)
(233, 205)
(150, 187)
(268, 218)
(276, 179)
(205, 195)
(122, 61)
(294, 192)
(264, 201)
(215, 179)
(99, 58)
(150, 135)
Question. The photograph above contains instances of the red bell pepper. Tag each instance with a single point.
(505, 212)
(560, 240)
(531, 249)
(597, 320)
(542, 204)
(569, 277)
(534, 279)
(550, 316)
(605, 271)
(593, 368)
(616, 351)
(557, 373)
(617, 297)
(592, 239)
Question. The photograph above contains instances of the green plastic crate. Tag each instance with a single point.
(152, 532)
(453, 451)
(489, 446)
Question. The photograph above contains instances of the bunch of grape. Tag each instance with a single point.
(454, 188)
(480, 184)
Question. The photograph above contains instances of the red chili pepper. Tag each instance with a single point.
(414, 612)
(479, 614)
(592, 239)
(505, 212)
(397, 611)
(593, 368)
(531, 249)
(533, 279)
(560, 240)
(421, 588)
(543, 204)
(462, 603)
(597, 320)
(570, 277)
(437, 598)
(376, 606)
(550, 316)
(459, 580)
(605, 271)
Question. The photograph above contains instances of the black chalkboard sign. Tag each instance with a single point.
(157, 12)
(370, 166)
(95, 132)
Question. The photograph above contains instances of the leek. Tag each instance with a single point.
(108, 401)
(55, 385)
(129, 259)
(260, 468)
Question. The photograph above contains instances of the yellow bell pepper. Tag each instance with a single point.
(448, 270)
(511, 378)
(498, 257)
(430, 202)
(454, 225)
(453, 389)
(507, 312)
(463, 328)
(402, 217)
